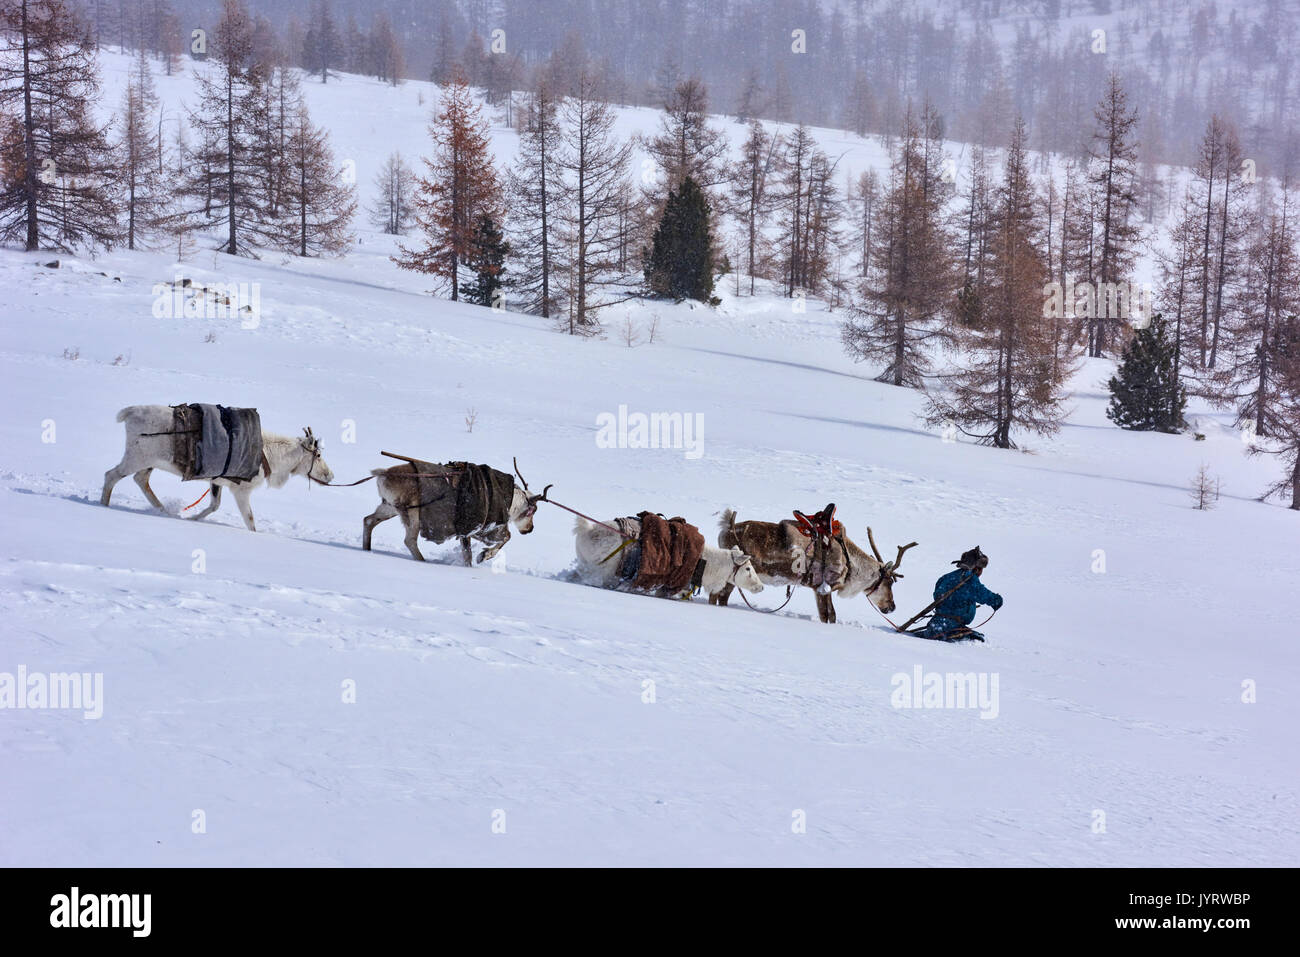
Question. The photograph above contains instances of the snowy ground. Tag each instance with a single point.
(477, 692)
(520, 698)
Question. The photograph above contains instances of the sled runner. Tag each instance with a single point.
(957, 634)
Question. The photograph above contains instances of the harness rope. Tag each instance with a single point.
(625, 544)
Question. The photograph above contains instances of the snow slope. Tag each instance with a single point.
(513, 695)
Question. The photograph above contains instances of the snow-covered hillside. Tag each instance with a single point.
(505, 715)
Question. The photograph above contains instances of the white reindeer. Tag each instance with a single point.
(722, 566)
(149, 447)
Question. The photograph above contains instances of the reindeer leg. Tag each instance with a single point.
(241, 500)
(720, 598)
(213, 505)
(411, 522)
(466, 551)
(824, 609)
(111, 478)
(495, 543)
(382, 514)
(142, 480)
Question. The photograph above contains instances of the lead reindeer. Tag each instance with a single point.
(149, 446)
(778, 552)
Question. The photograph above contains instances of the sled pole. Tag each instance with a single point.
(404, 458)
(934, 604)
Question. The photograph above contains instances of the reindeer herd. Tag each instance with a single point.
(748, 554)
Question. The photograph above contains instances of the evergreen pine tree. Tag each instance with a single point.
(680, 265)
(1145, 394)
(487, 261)
(322, 45)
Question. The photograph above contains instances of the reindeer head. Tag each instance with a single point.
(524, 506)
(743, 574)
(881, 592)
(316, 469)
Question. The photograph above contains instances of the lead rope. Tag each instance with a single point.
(339, 484)
(789, 593)
(886, 617)
(197, 500)
(590, 519)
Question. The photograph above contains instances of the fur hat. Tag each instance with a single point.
(972, 560)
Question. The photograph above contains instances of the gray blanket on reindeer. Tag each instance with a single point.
(460, 498)
(215, 441)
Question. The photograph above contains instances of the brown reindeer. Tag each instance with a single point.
(778, 551)
(485, 517)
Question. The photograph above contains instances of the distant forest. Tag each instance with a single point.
(979, 62)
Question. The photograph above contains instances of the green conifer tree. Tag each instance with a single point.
(1145, 394)
(487, 260)
(680, 265)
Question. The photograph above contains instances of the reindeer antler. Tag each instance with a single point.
(872, 539)
(899, 560)
(532, 498)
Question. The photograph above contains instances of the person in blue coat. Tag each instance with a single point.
(957, 611)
